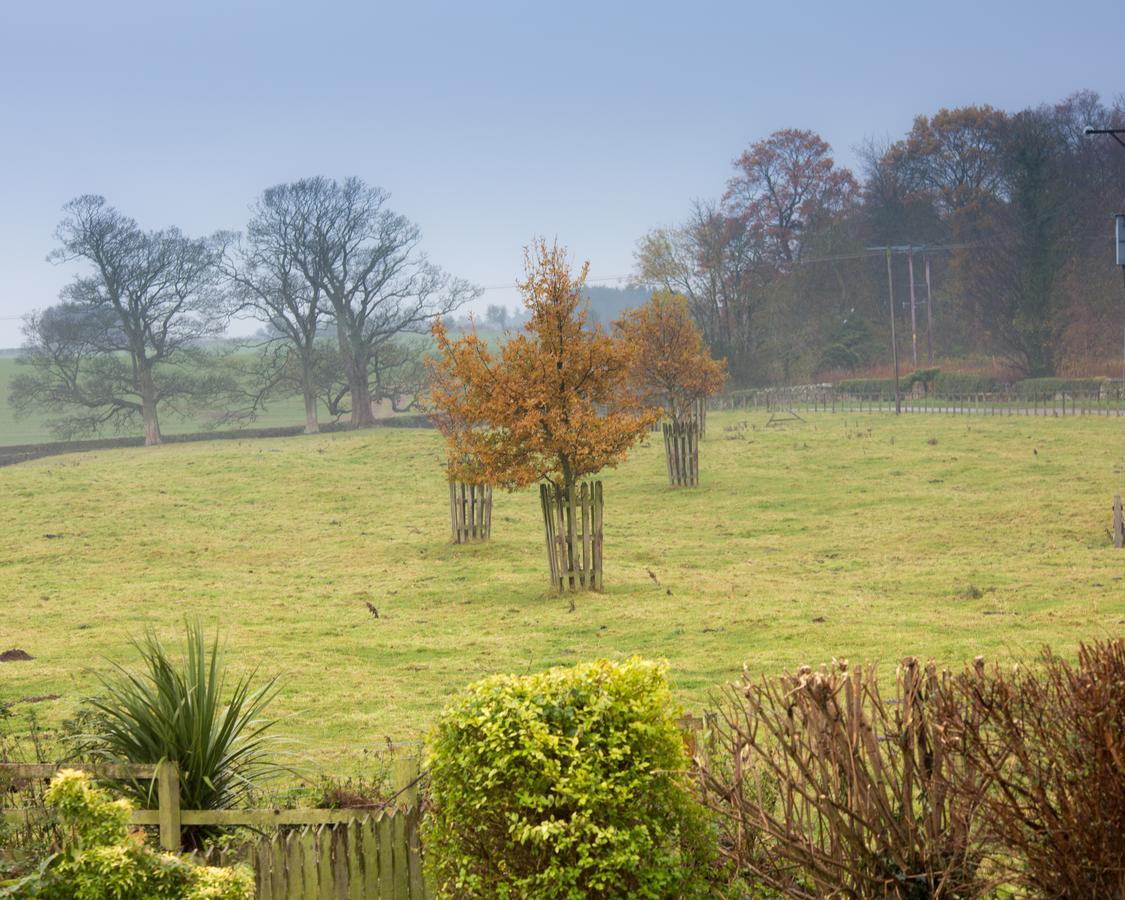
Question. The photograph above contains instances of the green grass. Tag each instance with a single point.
(866, 537)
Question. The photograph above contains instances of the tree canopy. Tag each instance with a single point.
(545, 404)
(669, 362)
(126, 338)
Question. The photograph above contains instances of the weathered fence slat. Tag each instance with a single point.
(401, 856)
(324, 868)
(310, 863)
(355, 857)
(370, 859)
(386, 859)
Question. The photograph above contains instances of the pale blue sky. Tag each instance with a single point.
(487, 122)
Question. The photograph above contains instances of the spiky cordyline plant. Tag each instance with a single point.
(175, 710)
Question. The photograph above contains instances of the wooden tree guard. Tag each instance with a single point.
(573, 529)
(681, 453)
(1118, 523)
(698, 414)
(470, 511)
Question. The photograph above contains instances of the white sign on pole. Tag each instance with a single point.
(1120, 238)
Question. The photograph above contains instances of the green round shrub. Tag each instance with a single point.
(567, 783)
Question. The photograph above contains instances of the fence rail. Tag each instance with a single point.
(996, 403)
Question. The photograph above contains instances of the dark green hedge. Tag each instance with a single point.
(870, 387)
(949, 384)
(1048, 387)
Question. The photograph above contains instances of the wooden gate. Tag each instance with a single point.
(373, 857)
(681, 453)
(573, 529)
(470, 511)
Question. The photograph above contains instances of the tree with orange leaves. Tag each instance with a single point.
(670, 364)
(535, 410)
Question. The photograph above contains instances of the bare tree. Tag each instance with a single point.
(365, 261)
(714, 261)
(268, 283)
(126, 337)
(496, 315)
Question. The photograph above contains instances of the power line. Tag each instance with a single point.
(513, 286)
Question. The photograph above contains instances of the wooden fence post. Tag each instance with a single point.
(405, 780)
(1118, 523)
(168, 797)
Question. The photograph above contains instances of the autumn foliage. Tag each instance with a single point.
(544, 406)
(669, 361)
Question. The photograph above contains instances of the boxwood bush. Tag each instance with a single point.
(567, 783)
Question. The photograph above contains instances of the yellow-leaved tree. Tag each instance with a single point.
(543, 407)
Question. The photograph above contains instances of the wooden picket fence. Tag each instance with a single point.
(681, 453)
(352, 854)
(375, 856)
(573, 530)
(470, 511)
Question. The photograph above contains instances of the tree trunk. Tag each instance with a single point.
(362, 414)
(355, 367)
(312, 425)
(148, 408)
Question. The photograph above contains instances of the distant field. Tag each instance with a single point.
(33, 429)
(861, 537)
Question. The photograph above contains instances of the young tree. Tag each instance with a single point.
(670, 364)
(535, 410)
(126, 338)
(364, 260)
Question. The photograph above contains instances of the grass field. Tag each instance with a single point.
(862, 537)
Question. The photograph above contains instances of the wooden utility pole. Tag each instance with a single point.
(929, 313)
(913, 317)
(894, 339)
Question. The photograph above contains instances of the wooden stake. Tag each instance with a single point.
(1118, 523)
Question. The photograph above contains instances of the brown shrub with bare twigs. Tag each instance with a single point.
(1051, 739)
(826, 789)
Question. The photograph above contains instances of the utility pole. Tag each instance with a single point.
(894, 340)
(913, 318)
(929, 312)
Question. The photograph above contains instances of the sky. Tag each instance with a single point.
(490, 122)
